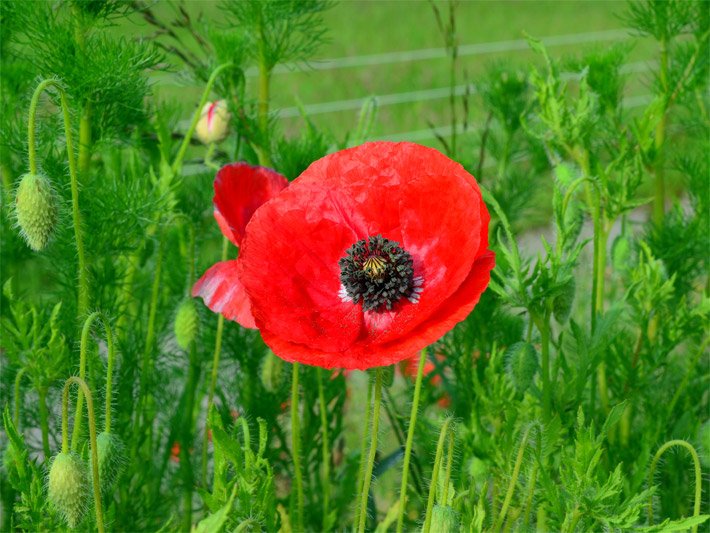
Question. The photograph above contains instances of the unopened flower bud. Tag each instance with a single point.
(110, 453)
(562, 303)
(213, 125)
(521, 365)
(444, 519)
(36, 210)
(68, 487)
(186, 322)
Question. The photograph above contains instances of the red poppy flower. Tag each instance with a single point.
(239, 191)
(370, 255)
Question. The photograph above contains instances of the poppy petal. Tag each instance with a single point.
(222, 292)
(240, 189)
(289, 267)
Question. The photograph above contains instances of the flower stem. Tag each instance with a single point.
(659, 200)
(543, 324)
(86, 330)
(92, 436)
(177, 163)
(367, 476)
(435, 475)
(193, 375)
(365, 433)
(698, 476)
(296, 448)
(500, 519)
(410, 441)
(83, 289)
(152, 311)
(109, 375)
(44, 420)
(264, 90)
(326, 450)
(215, 368)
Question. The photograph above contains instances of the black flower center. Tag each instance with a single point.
(378, 272)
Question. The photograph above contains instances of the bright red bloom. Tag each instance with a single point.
(240, 189)
(372, 254)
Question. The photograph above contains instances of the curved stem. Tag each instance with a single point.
(83, 290)
(86, 330)
(92, 436)
(435, 475)
(177, 163)
(326, 449)
(698, 476)
(215, 368)
(410, 441)
(500, 519)
(16, 399)
(367, 476)
(296, 447)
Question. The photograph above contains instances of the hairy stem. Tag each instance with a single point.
(367, 476)
(500, 519)
(698, 476)
(363, 441)
(296, 447)
(410, 441)
(92, 437)
(109, 375)
(435, 475)
(85, 332)
(326, 449)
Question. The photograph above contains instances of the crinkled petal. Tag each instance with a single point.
(240, 189)
(222, 292)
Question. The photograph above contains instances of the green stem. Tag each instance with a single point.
(599, 273)
(177, 163)
(85, 141)
(529, 500)
(363, 441)
(85, 332)
(152, 311)
(326, 450)
(449, 465)
(435, 475)
(698, 477)
(187, 437)
(500, 519)
(44, 421)
(543, 324)
(263, 102)
(109, 375)
(92, 436)
(659, 200)
(296, 447)
(83, 289)
(17, 398)
(215, 369)
(367, 476)
(410, 441)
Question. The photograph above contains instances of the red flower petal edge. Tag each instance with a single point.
(239, 190)
(223, 293)
(429, 225)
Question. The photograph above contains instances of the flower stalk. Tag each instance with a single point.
(326, 449)
(367, 476)
(435, 474)
(296, 447)
(410, 441)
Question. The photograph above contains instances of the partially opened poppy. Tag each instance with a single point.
(240, 189)
(370, 255)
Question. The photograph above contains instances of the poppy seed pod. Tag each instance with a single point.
(444, 519)
(36, 210)
(213, 125)
(186, 323)
(68, 487)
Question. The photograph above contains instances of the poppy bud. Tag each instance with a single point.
(272, 372)
(110, 454)
(521, 365)
(562, 303)
(621, 253)
(444, 519)
(213, 125)
(68, 487)
(36, 210)
(186, 323)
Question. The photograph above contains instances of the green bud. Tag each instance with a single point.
(68, 487)
(36, 210)
(444, 519)
(111, 458)
(272, 372)
(521, 365)
(562, 303)
(186, 323)
(574, 219)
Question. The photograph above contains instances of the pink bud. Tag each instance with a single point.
(213, 125)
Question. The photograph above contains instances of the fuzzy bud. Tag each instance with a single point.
(68, 487)
(213, 125)
(562, 303)
(36, 210)
(521, 365)
(110, 451)
(272, 372)
(444, 519)
(186, 323)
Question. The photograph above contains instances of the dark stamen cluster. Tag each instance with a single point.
(378, 272)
